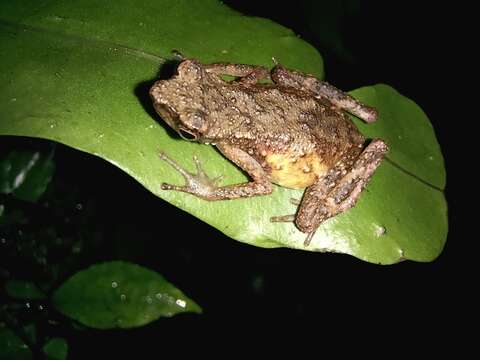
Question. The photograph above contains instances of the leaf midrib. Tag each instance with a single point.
(105, 44)
(416, 177)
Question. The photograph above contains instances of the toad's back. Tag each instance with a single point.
(293, 135)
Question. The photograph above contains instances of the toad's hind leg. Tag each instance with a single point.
(299, 80)
(335, 193)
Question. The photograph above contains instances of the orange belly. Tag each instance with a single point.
(295, 172)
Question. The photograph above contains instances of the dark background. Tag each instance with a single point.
(400, 44)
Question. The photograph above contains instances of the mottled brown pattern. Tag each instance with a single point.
(292, 131)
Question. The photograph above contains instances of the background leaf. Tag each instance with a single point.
(12, 347)
(25, 290)
(26, 174)
(86, 86)
(325, 20)
(56, 349)
(120, 295)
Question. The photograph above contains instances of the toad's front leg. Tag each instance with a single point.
(202, 186)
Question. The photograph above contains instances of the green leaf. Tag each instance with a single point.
(24, 290)
(79, 73)
(56, 349)
(12, 347)
(120, 295)
(26, 174)
(408, 132)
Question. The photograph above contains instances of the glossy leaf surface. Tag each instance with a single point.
(120, 295)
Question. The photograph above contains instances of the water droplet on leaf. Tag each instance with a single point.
(181, 303)
(380, 230)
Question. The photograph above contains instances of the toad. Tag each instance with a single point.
(280, 126)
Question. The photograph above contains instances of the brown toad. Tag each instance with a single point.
(292, 131)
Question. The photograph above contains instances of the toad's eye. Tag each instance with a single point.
(187, 134)
(195, 120)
